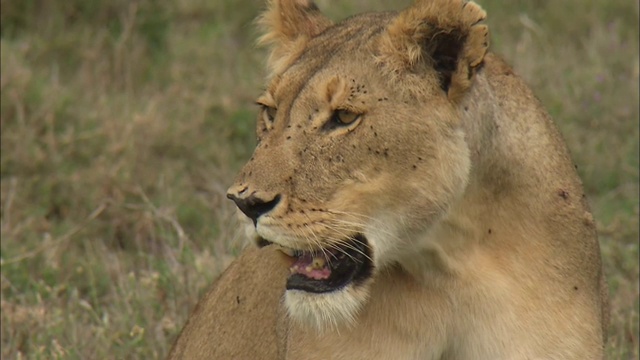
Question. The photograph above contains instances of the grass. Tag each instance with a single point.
(122, 124)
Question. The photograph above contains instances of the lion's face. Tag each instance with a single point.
(350, 167)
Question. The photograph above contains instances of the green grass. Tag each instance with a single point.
(122, 124)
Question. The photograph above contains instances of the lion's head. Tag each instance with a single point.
(360, 148)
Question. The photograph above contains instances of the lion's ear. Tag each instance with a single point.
(287, 23)
(441, 34)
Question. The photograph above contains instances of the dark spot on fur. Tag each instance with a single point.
(238, 300)
(489, 231)
(575, 288)
(288, 137)
(563, 194)
(466, 108)
(414, 167)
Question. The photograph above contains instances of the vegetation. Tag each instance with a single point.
(123, 122)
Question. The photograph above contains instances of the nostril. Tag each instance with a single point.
(253, 206)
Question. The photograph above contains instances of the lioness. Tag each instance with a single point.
(427, 205)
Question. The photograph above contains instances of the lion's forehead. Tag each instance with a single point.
(342, 48)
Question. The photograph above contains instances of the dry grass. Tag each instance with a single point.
(123, 122)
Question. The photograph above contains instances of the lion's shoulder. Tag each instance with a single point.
(223, 324)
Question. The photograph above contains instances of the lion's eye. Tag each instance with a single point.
(344, 117)
(269, 113)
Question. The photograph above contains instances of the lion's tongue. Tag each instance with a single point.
(314, 267)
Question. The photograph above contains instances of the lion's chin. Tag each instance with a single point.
(327, 311)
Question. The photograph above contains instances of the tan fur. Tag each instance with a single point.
(290, 24)
(224, 324)
(483, 244)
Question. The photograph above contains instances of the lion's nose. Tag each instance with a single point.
(253, 206)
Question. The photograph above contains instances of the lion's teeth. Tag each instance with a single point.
(318, 263)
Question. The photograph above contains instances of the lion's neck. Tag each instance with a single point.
(447, 246)
(503, 176)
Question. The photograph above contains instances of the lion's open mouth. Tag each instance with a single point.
(331, 269)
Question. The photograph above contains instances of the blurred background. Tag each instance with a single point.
(123, 123)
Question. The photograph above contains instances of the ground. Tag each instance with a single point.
(123, 123)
